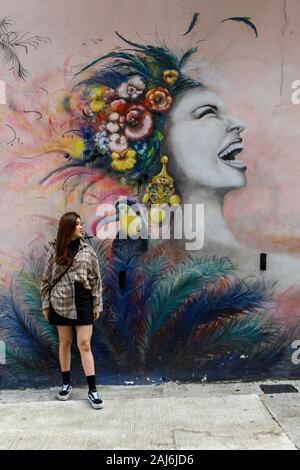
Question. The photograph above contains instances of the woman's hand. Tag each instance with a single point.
(46, 312)
(96, 315)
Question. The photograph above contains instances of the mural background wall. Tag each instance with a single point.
(180, 324)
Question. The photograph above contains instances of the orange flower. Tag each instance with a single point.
(158, 99)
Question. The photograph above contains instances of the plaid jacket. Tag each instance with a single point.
(85, 269)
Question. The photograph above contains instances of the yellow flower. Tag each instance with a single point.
(130, 153)
(97, 106)
(170, 76)
(75, 146)
(97, 103)
(97, 92)
(125, 161)
(70, 144)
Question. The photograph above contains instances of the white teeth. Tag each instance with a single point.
(230, 149)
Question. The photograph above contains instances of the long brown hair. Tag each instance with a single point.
(66, 227)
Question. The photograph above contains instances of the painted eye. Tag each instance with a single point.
(199, 115)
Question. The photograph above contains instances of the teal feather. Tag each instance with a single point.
(238, 334)
(186, 57)
(162, 56)
(131, 61)
(183, 281)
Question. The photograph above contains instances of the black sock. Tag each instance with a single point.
(91, 380)
(66, 377)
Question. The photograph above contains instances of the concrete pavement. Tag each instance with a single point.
(168, 416)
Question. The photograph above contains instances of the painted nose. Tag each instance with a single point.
(235, 125)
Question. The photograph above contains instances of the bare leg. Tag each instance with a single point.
(65, 342)
(84, 335)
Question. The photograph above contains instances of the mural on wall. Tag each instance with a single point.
(11, 41)
(132, 128)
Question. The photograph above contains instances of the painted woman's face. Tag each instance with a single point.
(202, 141)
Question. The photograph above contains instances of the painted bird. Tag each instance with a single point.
(132, 230)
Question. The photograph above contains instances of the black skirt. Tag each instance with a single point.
(84, 309)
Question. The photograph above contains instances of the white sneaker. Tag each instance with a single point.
(95, 400)
(65, 392)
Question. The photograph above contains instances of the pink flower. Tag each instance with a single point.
(131, 89)
(116, 121)
(118, 143)
(101, 127)
(139, 123)
(114, 116)
(112, 127)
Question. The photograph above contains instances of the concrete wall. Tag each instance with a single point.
(183, 313)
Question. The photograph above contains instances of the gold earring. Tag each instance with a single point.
(161, 192)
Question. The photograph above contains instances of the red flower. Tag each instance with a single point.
(98, 122)
(158, 99)
(139, 123)
(101, 117)
(118, 106)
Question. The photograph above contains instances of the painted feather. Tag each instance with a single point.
(192, 24)
(245, 20)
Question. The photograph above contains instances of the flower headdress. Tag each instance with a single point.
(126, 103)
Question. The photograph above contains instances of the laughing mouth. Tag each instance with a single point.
(228, 154)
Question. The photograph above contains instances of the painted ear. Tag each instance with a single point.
(245, 20)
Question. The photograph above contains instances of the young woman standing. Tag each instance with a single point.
(71, 293)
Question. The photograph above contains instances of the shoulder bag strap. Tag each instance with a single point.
(60, 276)
(64, 272)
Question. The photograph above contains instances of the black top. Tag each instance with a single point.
(81, 293)
(74, 246)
